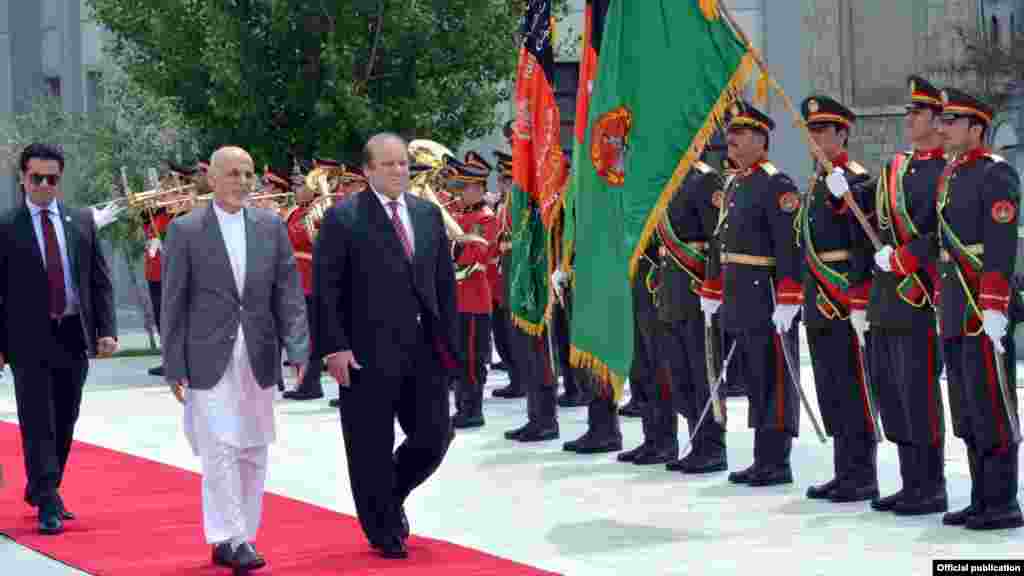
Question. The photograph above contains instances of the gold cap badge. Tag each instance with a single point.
(812, 106)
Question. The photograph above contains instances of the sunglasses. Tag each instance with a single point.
(50, 179)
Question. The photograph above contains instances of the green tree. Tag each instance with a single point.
(131, 128)
(315, 77)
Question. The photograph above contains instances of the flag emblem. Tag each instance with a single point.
(610, 142)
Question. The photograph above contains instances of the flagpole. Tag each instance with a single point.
(816, 150)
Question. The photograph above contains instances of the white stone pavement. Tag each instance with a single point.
(534, 503)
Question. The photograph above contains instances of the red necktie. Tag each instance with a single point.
(54, 266)
(400, 228)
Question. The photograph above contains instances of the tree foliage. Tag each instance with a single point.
(315, 77)
(991, 67)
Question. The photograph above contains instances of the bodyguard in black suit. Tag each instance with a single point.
(56, 308)
(385, 291)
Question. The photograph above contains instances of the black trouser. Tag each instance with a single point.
(534, 362)
(474, 334)
(641, 371)
(499, 330)
(562, 318)
(774, 411)
(413, 390)
(660, 425)
(311, 380)
(981, 414)
(154, 299)
(48, 394)
(905, 370)
(682, 349)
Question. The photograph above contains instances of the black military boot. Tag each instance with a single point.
(516, 433)
(665, 430)
(678, 465)
(743, 476)
(470, 414)
(603, 434)
(930, 494)
(1001, 510)
(861, 479)
(906, 456)
(776, 470)
(824, 491)
(710, 450)
(511, 391)
(960, 517)
(631, 455)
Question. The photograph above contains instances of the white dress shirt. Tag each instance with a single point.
(236, 411)
(403, 215)
(70, 291)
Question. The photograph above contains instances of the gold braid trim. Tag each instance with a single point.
(608, 382)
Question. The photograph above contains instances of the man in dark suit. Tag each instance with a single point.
(56, 308)
(385, 291)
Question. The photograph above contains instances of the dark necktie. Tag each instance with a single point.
(400, 229)
(54, 266)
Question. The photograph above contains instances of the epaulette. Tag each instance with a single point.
(769, 168)
(856, 168)
(995, 157)
(702, 167)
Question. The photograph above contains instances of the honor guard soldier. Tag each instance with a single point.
(754, 278)
(501, 322)
(301, 237)
(468, 185)
(904, 351)
(660, 445)
(836, 286)
(978, 202)
(684, 233)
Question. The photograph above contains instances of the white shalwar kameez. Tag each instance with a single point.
(231, 425)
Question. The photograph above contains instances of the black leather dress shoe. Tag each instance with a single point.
(822, 491)
(539, 434)
(743, 476)
(889, 502)
(705, 464)
(393, 548)
(222, 554)
(156, 371)
(246, 558)
(631, 455)
(65, 514)
(854, 493)
(918, 504)
(771, 476)
(959, 518)
(661, 456)
(597, 444)
(517, 433)
(50, 522)
(1000, 518)
(302, 395)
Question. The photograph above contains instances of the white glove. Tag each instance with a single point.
(783, 317)
(994, 325)
(559, 279)
(859, 320)
(883, 259)
(709, 307)
(153, 246)
(837, 184)
(106, 215)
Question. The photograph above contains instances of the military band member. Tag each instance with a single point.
(302, 245)
(754, 278)
(683, 236)
(473, 292)
(501, 321)
(904, 352)
(978, 202)
(837, 282)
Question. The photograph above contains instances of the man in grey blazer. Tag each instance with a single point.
(231, 300)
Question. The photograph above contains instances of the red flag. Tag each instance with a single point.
(593, 27)
(538, 165)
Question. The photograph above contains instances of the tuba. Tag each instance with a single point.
(324, 180)
(426, 183)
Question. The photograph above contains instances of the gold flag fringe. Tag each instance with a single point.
(531, 328)
(609, 383)
(709, 8)
(714, 121)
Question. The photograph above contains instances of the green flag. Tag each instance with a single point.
(528, 264)
(667, 73)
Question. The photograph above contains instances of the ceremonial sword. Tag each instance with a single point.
(711, 364)
(1004, 389)
(714, 394)
(787, 353)
(868, 393)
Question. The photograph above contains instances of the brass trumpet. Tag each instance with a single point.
(432, 154)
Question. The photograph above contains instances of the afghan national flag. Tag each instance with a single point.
(538, 165)
(527, 274)
(646, 125)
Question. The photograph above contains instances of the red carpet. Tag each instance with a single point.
(137, 516)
